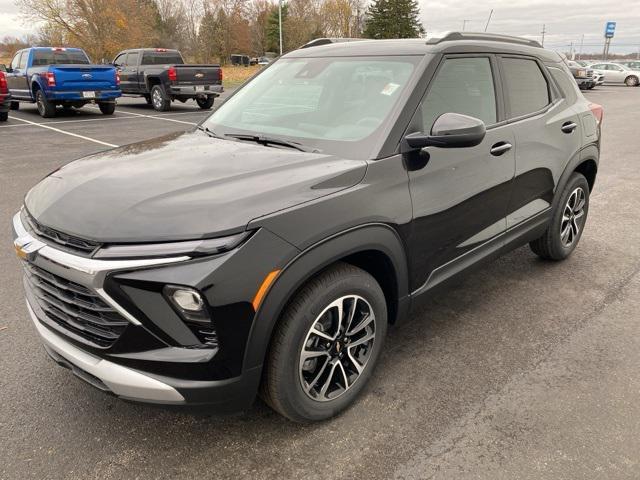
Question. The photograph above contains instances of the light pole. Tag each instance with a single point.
(280, 23)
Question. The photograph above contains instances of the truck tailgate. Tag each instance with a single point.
(198, 74)
(84, 77)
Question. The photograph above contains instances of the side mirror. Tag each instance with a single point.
(450, 130)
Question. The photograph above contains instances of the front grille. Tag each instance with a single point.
(68, 242)
(589, 73)
(75, 308)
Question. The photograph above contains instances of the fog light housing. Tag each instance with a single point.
(189, 303)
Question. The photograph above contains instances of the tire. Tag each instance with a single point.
(14, 105)
(631, 81)
(4, 116)
(107, 108)
(567, 223)
(205, 103)
(46, 109)
(159, 100)
(294, 387)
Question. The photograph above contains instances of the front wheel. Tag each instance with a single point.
(326, 345)
(631, 81)
(567, 223)
(107, 108)
(159, 101)
(46, 109)
(205, 103)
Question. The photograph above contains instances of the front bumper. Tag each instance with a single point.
(148, 362)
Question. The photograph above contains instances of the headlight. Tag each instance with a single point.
(192, 248)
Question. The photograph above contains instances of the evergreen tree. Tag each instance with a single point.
(393, 19)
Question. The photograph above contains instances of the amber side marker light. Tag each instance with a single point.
(266, 283)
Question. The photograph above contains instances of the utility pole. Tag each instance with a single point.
(581, 45)
(464, 24)
(571, 55)
(544, 30)
(280, 23)
(488, 20)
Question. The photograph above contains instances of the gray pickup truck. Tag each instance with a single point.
(161, 76)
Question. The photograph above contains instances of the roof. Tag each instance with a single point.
(452, 42)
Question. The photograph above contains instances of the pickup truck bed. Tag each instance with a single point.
(161, 76)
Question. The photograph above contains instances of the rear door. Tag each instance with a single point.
(460, 195)
(547, 131)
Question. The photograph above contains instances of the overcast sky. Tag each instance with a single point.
(566, 21)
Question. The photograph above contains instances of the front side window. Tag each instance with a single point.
(16, 61)
(120, 59)
(333, 105)
(527, 90)
(462, 85)
(59, 57)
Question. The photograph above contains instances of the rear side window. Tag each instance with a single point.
(59, 57)
(527, 90)
(462, 85)
(132, 59)
(23, 60)
(161, 58)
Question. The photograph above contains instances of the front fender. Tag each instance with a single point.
(379, 237)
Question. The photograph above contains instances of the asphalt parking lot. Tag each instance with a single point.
(524, 370)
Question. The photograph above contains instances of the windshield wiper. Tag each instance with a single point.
(209, 132)
(266, 140)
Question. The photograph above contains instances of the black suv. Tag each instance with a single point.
(269, 249)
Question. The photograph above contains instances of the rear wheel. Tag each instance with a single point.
(107, 108)
(631, 81)
(4, 116)
(205, 103)
(568, 221)
(159, 100)
(326, 345)
(15, 105)
(46, 109)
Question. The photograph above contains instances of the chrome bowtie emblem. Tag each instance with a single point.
(87, 76)
(199, 75)
(27, 247)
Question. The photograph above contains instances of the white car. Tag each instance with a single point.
(616, 73)
(598, 78)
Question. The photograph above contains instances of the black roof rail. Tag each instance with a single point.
(325, 41)
(490, 37)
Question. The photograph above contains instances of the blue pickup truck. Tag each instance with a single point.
(50, 76)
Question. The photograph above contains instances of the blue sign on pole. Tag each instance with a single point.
(609, 30)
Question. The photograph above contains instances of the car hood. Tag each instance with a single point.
(182, 186)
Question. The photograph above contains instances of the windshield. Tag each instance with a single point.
(59, 57)
(331, 105)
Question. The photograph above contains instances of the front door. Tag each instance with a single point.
(460, 195)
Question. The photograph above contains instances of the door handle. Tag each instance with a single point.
(499, 148)
(568, 127)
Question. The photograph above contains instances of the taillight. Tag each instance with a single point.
(597, 111)
(117, 79)
(51, 79)
(173, 75)
(3, 83)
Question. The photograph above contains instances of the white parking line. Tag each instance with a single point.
(42, 125)
(155, 117)
(101, 119)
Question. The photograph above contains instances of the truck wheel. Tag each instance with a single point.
(159, 100)
(107, 108)
(46, 109)
(15, 105)
(326, 345)
(4, 116)
(205, 103)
